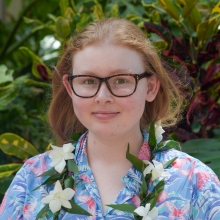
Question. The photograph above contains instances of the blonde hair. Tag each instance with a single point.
(167, 105)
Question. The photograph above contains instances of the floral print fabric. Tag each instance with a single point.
(192, 190)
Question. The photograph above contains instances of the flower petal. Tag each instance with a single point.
(155, 174)
(55, 205)
(148, 168)
(141, 211)
(65, 203)
(59, 167)
(68, 148)
(55, 148)
(153, 213)
(47, 199)
(55, 162)
(67, 193)
(58, 187)
(68, 156)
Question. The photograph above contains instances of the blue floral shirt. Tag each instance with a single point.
(192, 190)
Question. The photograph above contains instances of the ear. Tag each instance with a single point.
(153, 85)
(67, 85)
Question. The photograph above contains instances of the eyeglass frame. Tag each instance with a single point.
(137, 77)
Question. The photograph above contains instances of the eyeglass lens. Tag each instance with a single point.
(87, 86)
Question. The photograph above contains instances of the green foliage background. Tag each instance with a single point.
(30, 48)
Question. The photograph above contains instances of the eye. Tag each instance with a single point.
(120, 81)
(90, 82)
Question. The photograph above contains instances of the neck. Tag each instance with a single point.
(113, 149)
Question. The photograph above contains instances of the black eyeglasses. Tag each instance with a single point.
(121, 85)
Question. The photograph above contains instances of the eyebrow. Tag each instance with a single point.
(114, 72)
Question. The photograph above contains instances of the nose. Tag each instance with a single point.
(104, 95)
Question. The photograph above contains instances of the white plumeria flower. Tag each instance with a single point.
(156, 168)
(59, 197)
(158, 131)
(146, 213)
(59, 155)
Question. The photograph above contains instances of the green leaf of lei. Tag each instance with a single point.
(165, 145)
(69, 182)
(72, 166)
(152, 138)
(138, 164)
(50, 172)
(76, 209)
(75, 136)
(124, 207)
(166, 164)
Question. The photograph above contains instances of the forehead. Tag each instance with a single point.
(105, 58)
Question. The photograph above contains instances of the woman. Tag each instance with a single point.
(110, 84)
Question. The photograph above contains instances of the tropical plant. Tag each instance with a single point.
(192, 40)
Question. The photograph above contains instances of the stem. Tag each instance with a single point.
(12, 34)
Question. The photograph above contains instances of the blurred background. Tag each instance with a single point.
(186, 34)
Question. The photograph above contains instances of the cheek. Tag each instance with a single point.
(80, 107)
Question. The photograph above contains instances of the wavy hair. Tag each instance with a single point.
(167, 105)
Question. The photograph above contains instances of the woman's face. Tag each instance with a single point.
(105, 114)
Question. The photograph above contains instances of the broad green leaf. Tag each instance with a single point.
(62, 27)
(50, 172)
(166, 164)
(7, 170)
(4, 184)
(138, 164)
(13, 144)
(188, 7)
(194, 18)
(42, 212)
(69, 14)
(32, 82)
(28, 52)
(206, 150)
(216, 9)
(98, 12)
(170, 144)
(5, 74)
(160, 45)
(69, 182)
(152, 138)
(72, 166)
(50, 180)
(75, 136)
(114, 11)
(123, 207)
(206, 29)
(63, 5)
(76, 209)
(30, 21)
(7, 94)
(170, 7)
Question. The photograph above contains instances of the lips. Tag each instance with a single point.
(104, 115)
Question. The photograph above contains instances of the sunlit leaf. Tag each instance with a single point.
(63, 5)
(216, 9)
(42, 211)
(13, 144)
(206, 29)
(188, 7)
(171, 8)
(7, 170)
(62, 27)
(5, 74)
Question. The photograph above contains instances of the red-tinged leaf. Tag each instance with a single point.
(211, 83)
(184, 135)
(42, 70)
(161, 31)
(212, 70)
(211, 52)
(214, 117)
(201, 98)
